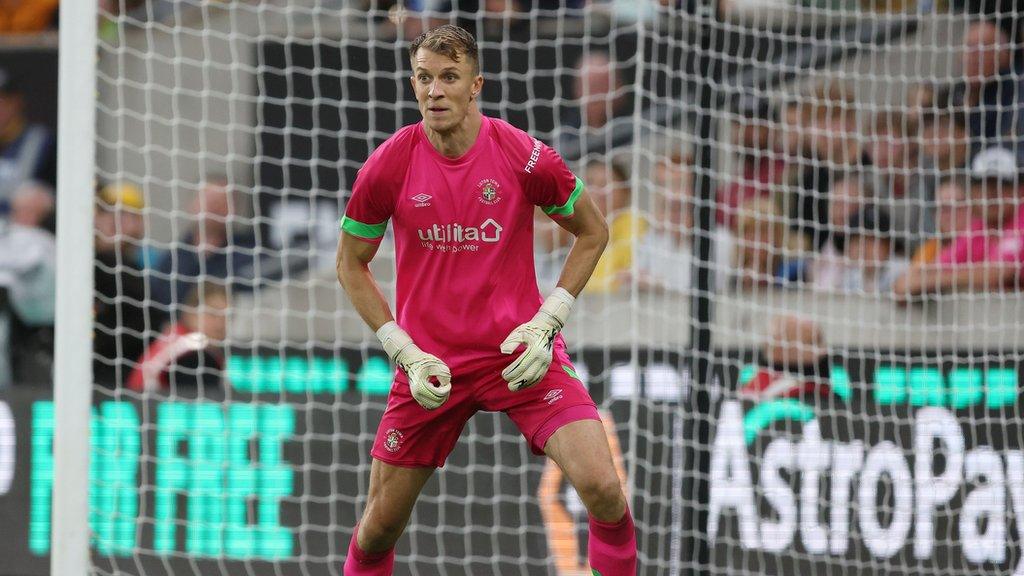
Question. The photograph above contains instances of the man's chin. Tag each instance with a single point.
(441, 127)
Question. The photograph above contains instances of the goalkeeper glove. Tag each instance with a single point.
(422, 369)
(538, 335)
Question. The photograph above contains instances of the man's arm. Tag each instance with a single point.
(588, 226)
(591, 231)
(353, 266)
(930, 279)
(429, 377)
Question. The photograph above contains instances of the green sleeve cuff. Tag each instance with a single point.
(567, 209)
(369, 231)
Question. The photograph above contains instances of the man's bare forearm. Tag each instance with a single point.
(591, 232)
(581, 261)
(921, 280)
(363, 291)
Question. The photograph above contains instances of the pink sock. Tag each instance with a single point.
(612, 547)
(359, 563)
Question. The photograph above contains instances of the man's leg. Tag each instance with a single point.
(393, 492)
(581, 450)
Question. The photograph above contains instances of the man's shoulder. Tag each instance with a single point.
(514, 142)
(526, 154)
(386, 166)
(397, 147)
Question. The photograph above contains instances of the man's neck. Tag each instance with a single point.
(13, 129)
(460, 139)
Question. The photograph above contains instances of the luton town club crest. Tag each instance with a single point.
(488, 191)
(392, 440)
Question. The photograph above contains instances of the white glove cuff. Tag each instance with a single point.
(558, 305)
(393, 338)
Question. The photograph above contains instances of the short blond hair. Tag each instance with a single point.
(448, 40)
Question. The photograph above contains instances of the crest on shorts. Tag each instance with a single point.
(392, 440)
(489, 190)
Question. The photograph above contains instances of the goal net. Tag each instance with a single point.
(804, 338)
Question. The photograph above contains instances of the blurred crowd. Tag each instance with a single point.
(819, 191)
(409, 18)
(824, 192)
(160, 311)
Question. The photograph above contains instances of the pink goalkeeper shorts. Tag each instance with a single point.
(412, 436)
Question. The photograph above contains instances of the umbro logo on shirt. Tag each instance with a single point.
(421, 200)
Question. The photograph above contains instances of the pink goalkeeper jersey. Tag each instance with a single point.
(463, 235)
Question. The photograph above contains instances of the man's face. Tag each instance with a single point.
(943, 141)
(594, 87)
(986, 51)
(211, 319)
(599, 185)
(118, 227)
(213, 211)
(752, 135)
(132, 224)
(953, 216)
(445, 89)
(10, 108)
(868, 251)
(845, 198)
(889, 150)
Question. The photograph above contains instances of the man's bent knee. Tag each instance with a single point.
(603, 498)
(378, 532)
(378, 536)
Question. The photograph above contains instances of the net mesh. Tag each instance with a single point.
(804, 336)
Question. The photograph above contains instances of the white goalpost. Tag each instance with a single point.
(73, 366)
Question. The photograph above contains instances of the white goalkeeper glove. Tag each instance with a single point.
(430, 381)
(538, 335)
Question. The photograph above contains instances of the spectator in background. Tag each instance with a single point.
(792, 132)
(759, 170)
(189, 352)
(608, 184)
(990, 88)
(665, 252)
(649, 12)
(27, 16)
(214, 249)
(491, 18)
(990, 254)
(850, 192)
(794, 342)
(767, 252)
(828, 142)
(945, 140)
(601, 97)
(124, 318)
(898, 183)
(129, 226)
(27, 151)
(873, 251)
(953, 218)
(922, 97)
(27, 300)
(34, 205)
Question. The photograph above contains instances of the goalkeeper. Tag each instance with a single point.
(472, 330)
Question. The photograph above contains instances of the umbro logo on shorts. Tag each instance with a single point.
(553, 396)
